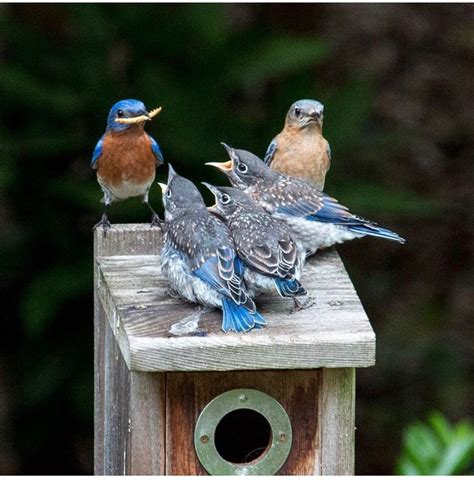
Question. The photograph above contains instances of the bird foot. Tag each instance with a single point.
(302, 305)
(104, 223)
(155, 220)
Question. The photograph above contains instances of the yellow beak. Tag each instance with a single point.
(164, 187)
(223, 166)
(140, 118)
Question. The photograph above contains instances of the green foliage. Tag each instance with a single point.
(437, 448)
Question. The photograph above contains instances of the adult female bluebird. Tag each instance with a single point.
(126, 156)
(315, 218)
(264, 244)
(300, 150)
(199, 259)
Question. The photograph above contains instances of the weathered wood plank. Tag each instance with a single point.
(334, 332)
(124, 400)
(337, 421)
(146, 432)
(188, 393)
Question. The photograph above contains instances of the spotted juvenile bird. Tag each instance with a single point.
(300, 150)
(273, 258)
(199, 259)
(126, 156)
(315, 218)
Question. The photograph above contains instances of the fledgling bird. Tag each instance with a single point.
(300, 150)
(126, 156)
(273, 258)
(199, 259)
(315, 218)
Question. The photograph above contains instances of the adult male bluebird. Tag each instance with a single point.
(199, 259)
(273, 258)
(300, 150)
(126, 156)
(317, 219)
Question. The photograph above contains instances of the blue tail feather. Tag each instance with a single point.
(238, 318)
(289, 288)
(372, 230)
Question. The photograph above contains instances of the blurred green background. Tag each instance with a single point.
(397, 84)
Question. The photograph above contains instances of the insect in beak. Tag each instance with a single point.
(141, 118)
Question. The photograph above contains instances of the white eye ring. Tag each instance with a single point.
(168, 193)
(225, 199)
(241, 167)
(297, 111)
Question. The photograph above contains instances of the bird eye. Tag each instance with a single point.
(168, 193)
(241, 167)
(120, 113)
(225, 199)
(297, 111)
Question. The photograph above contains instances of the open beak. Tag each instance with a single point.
(141, 118)
(222, 166)
(164, 187)
(212, 209)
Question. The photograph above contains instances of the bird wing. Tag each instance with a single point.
(270, 152)
(294, 198)
(223, 272)
(156, 150)
(97, 152)
(206, 243)
(328, 152)
(270, 250)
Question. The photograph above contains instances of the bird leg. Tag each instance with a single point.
(302, 305)
(155, 219)
(104, 222)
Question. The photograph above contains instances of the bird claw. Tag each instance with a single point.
(155, 220)
(104, 223)
(302, 305)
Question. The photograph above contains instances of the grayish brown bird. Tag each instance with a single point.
(300, 150)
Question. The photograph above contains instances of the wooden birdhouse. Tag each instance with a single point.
(175, 395)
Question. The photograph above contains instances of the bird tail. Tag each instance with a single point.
(370, 229)
(289, 288)
(238, 318)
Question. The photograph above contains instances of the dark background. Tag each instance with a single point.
(397, 83)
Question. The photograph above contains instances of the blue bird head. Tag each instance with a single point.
(180, 194)
(304, 113)
(243, 169)
(127, 113)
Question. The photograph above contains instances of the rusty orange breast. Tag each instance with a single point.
(302, 155)
(126, 156)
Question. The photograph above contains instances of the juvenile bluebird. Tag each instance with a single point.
(315, 218)
(199, 259)
(126, 156)
(273, 258)
(300, 150)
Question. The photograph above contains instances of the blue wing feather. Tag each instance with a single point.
(97, 152)
(209, 273)
(270, 152)
(335, 213)
(156, 151)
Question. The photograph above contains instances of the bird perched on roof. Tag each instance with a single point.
(300, 150)
(199, 259)
(315, 218)
(273, 258)
(126, 156)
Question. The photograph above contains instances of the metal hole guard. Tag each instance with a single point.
(281, 437)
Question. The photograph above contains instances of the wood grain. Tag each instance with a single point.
(337, 421)
(189, 393)
(334, 332)
(129, 406)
